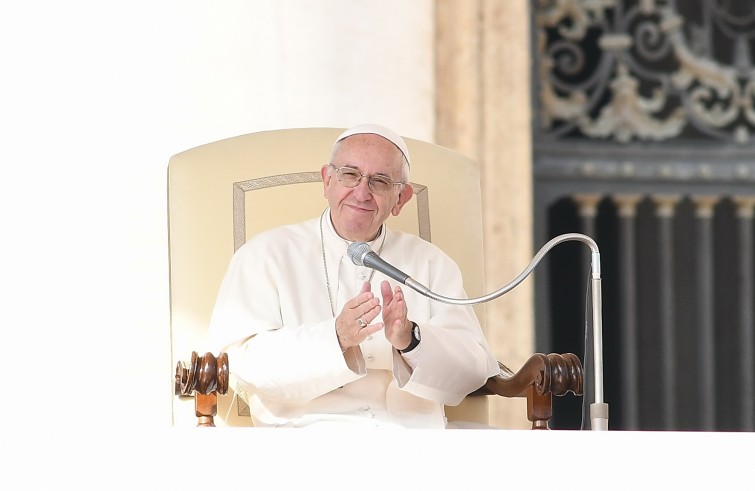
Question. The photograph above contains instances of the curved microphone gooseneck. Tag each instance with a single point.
(361, 255)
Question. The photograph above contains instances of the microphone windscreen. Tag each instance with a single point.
(357, 251)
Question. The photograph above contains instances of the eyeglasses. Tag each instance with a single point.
(351, 177)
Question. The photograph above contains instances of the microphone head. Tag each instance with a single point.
(357, 251)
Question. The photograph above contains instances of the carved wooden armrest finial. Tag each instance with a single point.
(541, 377)
(204, 380)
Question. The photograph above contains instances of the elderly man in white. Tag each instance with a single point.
(314, 339)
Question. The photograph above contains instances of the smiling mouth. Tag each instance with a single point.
(360, 209)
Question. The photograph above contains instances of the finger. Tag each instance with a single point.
(370, 308)
(371, 313)
(366, 287)
(400, 301)
(385, 291)
(398, 295)
(370, 330)
(361, 299)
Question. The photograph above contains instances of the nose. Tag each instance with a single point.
(362, 190)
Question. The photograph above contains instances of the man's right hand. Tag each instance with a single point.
(353, 323)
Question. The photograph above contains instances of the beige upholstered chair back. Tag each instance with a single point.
(224, 192)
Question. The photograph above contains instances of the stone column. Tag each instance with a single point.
(745, 207)
(704, 211)
(665, 212)
(483, 110)
(627, 211)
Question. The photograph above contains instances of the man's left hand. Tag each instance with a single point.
(398, 328)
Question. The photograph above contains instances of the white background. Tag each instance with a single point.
(95, 96)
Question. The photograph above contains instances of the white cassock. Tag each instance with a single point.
(275, 319)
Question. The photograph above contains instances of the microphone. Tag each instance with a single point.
(361, 255)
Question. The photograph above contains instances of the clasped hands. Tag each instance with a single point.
(354, 323)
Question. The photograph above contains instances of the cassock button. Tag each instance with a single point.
(369, 338)
(370, 357)
(362, 276)
(364, 408)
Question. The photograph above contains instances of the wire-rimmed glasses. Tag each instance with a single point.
(378, 183)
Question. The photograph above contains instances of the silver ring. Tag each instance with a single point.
(361, 323)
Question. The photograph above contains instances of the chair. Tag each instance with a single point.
(222, 193)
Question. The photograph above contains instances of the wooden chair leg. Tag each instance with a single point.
(539, 408)
(206, 407)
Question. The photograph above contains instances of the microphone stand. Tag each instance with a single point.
(598, 409)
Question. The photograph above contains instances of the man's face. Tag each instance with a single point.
(358, 212)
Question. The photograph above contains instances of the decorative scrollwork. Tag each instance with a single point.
(646, 70)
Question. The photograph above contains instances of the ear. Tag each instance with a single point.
(326, 177)
(403, 198)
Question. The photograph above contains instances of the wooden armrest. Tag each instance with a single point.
(539, 379)
(204, 379)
